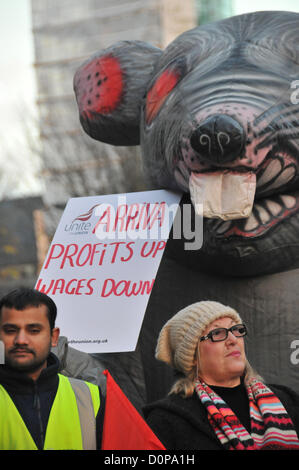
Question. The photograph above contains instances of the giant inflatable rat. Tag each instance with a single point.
(216, 115)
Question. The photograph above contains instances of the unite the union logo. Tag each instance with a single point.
(80, 224)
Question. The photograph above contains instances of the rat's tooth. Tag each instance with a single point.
(273, 207)
(224, 226)
(273, 168)
(251, 223)
(263, 214)
(289, 201)
(225, 195)
(285, 176)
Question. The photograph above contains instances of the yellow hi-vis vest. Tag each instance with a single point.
(71, 424)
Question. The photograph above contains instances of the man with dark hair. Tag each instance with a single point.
(40, 408)
(24, 297)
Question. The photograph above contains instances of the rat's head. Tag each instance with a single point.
(216, 117)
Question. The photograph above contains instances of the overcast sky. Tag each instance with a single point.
(241, 6)
(16, 72)
(18, 173)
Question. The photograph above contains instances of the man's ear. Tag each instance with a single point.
(54, 336)
(109, 89)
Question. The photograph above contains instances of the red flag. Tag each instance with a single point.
(124, 428)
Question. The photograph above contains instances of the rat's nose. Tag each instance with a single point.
(219, 139)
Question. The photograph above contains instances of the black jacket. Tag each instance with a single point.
(182, 423)
(34, 399)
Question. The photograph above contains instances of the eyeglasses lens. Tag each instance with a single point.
(239, 330)
(220, 334)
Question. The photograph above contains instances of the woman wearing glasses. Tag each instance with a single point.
(218, 402)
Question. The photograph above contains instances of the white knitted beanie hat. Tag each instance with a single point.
(179, 337)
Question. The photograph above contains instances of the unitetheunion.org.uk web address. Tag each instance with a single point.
(78, 341)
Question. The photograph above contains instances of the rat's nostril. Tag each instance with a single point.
(219, 139)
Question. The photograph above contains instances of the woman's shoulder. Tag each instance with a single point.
(181, 423)
(174, 403)
(285, 393)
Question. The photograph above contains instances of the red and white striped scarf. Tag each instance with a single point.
(271, 426)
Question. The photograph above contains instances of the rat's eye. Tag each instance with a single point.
(162, 86)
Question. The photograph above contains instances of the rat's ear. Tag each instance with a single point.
(109, 89)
